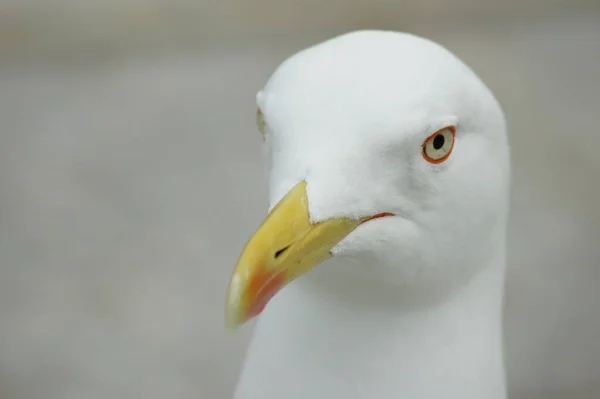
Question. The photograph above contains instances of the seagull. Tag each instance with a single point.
(379, 269)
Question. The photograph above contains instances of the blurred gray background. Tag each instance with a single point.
(131, 176)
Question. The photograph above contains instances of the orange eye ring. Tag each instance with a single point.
(438, 147)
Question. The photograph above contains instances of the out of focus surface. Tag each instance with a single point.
(131, 176)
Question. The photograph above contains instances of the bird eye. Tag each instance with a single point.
(438, 146)
(260, 122)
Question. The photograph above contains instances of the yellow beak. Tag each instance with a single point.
(284, 247)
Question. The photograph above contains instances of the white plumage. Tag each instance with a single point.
(408, 306)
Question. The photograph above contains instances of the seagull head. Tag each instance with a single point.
(387, 161)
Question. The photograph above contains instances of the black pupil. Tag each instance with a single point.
(438, 141)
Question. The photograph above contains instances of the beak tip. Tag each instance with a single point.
(230, 328)
(232, 319)
(233, 311)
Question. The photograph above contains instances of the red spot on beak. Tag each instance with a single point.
(266, 286)
(379, 215)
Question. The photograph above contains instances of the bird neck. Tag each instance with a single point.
(308, 345)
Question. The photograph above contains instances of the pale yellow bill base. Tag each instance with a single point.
(284, 247)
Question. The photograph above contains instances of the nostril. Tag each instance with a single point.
(281, 251)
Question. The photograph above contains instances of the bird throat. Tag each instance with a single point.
(306, 346)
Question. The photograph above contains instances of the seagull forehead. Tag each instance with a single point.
(367, 74)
